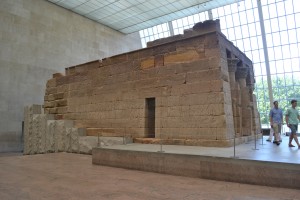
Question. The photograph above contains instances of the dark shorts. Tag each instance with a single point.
(294, 128)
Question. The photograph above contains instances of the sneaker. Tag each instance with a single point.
(275, 142)
(278, 143)
(268, 140)
(290, 145)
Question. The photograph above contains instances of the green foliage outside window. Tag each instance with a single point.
(284, 90)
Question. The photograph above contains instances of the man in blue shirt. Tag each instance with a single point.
(276, 119)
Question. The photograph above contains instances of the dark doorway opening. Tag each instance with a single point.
(150, 118)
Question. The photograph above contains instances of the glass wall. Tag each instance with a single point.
(240, 24)
(154, 33)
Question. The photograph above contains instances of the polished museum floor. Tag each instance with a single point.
(72, 176)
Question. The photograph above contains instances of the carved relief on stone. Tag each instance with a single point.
(232, 64)
(241, 72)
(250, 80)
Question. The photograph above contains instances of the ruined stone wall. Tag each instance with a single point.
(43, 134)
(186, 74)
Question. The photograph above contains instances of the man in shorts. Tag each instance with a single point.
(291, 119)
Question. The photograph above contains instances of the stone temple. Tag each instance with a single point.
(190, 89)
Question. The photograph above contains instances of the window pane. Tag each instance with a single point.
(267, 26)
(265, 11)
(284, 37)
(291, 22)
(263, 69)
(236, 19)
(276, 39)
(278, 53)
(141, 34)
(297, 16)
(254, 44)
(269, 39)
(286, 51)
(253, 29)
(295, 64)
(229, 21)
(272, 67)
(279, 66)
(294, 50)
(231, 34)
(271, 53)
(238, 33)
(289, 7)
(272, 10)
(280, 9)
(243, 18)
(245, 31)
(292, 36)
(250, 16)
(287, 66)
(274, 25)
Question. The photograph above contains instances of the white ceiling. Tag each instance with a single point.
(128, 16)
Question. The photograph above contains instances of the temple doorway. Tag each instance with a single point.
(150, 118)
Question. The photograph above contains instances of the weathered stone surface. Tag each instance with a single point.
(86, 144)
(50, 136)
(49, 104)
(46, 135)
(57, 75)
(179, 57)
(59, 95)
(147, 63)
(72, 139)
(159, 61)
(29, 111)
(39, 132)
(59, 103)
(208, 25)
(51, 83)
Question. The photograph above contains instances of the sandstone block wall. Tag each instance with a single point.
(200, 85)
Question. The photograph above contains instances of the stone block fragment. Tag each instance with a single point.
(57, 75)
(51, 83)
(29, 111)
(59, 95)
(147, 63)
(49, 104)
(159, 61)
(184, 56)
(61, 102)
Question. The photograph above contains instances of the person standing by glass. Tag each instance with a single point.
(291, 119)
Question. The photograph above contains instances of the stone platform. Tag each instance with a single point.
(195, 142)
(261, 164)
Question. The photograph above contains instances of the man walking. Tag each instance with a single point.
(291, 118)
(276, 119)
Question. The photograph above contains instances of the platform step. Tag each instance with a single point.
(86, 143)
